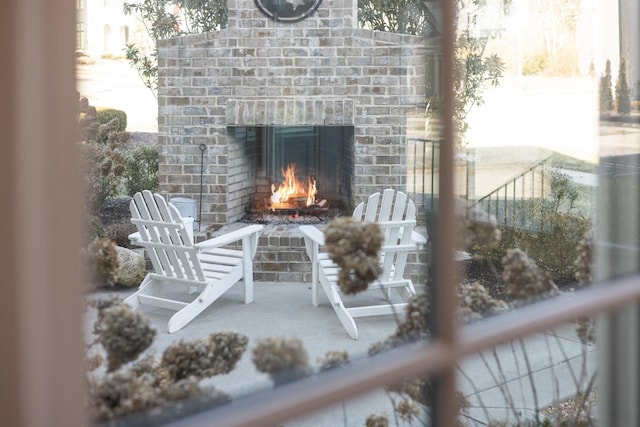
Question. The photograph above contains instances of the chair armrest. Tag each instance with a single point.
(418, 239)
(232, 236)
(134, 238)
(313, 233)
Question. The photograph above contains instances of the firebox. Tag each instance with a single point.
(301, 171)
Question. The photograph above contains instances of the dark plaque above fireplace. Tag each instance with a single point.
(288, 10)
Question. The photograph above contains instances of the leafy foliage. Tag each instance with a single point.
(397, 16)
(535, 63)
(105, 115)
(556, 228)
(141, 169)
(104, 163)
(163, 19)
(474, 69)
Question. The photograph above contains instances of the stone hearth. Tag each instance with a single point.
(281, 256)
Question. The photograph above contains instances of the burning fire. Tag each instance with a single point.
(291, 191)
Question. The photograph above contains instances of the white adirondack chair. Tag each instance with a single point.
(395, 213)
(187, 277)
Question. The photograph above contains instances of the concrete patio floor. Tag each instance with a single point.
(551, 363)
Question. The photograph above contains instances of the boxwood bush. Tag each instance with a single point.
(105, 115)
(141, 169)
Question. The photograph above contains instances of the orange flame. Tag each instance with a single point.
(292, 189)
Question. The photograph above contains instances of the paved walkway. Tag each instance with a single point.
(285, 310)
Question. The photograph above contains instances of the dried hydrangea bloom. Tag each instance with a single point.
(205, 357)
(118, 394)
(584, 261)
(480, 229)
(415, 325)
(525, 280)
(474, 301)
(333, 359)
(124, 333)
(354, 246)
(412, 328)
(187, 388)
(284, 359)
(586, 330)
(94, 360)
(416, 389)
(407, 410)
(377, 421)
(123, 393)
(102, 303)
(102, 262)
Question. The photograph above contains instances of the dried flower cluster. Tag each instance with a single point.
(205, 357)
(148, 383)
(475, 302)
(414, 327)
(480, 229)
(125, 393)
(123, 332)
(525, 280)
(102, 262)
(110, 133)
(415, 324)
(586, 330)
(584, 261)
(407, 410)
(354, 246)
(284, 359)
(377, 421)
(333, 359)
(94, 360)
(416, 389)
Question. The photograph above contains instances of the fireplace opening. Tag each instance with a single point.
(303, 173)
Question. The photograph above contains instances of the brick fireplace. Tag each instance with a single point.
(321, 72)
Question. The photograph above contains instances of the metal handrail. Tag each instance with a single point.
(508, 215)
(512, 180)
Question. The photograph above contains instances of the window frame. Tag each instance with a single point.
(43, 289)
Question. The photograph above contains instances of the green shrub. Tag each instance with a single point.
(606, 94)
(141, 169)
(553, 247)
(554, 227)
(623, 93)
(95, 228)
(105, 115)
(119, 233)
(535, 64)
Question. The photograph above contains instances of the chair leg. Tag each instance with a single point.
(315, 267)
(247, 270)
(132, 299)
(347, 321)
(210, 293)
(345, 318)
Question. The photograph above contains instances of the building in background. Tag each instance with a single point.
(103, 30)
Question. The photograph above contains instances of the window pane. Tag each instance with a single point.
(546, 377)
(332, 108)
(529, 158)
(329, 100)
